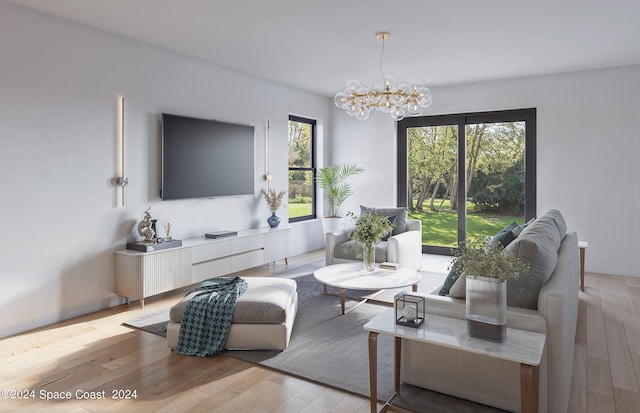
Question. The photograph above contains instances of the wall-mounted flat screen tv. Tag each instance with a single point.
(205, 158)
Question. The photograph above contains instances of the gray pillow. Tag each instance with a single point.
(558, 219)
(538, 246)
(399, 213)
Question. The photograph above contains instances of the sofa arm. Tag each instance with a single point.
(406, 248)
(333, 239)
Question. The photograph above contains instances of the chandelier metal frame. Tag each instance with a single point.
(358, 101)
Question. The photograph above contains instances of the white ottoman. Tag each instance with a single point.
(263, 318)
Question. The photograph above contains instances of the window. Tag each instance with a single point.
(302, 169)
(467, 176)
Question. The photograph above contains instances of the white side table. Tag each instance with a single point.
(522, 347)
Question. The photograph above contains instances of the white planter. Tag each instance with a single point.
(332, 224)
(487, 308)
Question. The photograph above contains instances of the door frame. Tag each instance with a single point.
(527, 115)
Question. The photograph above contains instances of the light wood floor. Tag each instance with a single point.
(96, 353)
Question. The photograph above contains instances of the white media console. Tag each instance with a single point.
(143, 274)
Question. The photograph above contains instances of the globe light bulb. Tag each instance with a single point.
(341, 100)
(397, 114)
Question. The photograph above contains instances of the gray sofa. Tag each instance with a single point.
(404, 246)
(553, 306)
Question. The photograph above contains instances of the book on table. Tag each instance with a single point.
(389, 265)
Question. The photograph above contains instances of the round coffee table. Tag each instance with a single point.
(351, 276)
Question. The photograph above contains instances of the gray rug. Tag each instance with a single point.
(155, 323)
(331, 349)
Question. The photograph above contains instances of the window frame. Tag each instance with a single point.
(312, 169)
(527, 115)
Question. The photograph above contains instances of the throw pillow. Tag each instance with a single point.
(399, 213)
(392, 220)
(450, 280)
(505, 236)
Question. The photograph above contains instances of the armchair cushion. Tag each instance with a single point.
(351, 250)
(399, 213)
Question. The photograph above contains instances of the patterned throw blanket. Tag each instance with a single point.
(207, 317)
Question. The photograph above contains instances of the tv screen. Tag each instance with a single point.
(205, 158)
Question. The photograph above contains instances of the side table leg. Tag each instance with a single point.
(373, 370)
(582, 251)
(397, 353)
(529, 381)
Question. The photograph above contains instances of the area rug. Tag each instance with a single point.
(331, 349)
(155, 323)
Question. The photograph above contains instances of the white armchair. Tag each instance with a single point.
(404, 248)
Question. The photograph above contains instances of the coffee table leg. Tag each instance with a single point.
(343, 294)
(373, 370)
(414, 288)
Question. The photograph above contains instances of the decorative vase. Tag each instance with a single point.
(487, 308)
(369, 257)
(273, 220)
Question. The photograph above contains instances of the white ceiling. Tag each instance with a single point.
(320, 45)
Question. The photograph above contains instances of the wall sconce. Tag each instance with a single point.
(121, 180)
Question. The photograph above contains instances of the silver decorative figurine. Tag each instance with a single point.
(144, 228)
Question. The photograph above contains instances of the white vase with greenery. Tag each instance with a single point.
(333, 180)
(486, 270)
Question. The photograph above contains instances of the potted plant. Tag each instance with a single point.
(486, 270)
(369, 230)
(274, 200)
(333, 179)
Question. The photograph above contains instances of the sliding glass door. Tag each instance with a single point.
(467, 176)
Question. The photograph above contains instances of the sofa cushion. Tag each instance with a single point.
(558, 219)
(459, 288)
(504, 237)
(538, 246)
(265, 302)
(352, 250)
(399, 213)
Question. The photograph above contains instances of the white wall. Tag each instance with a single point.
(588, 146)
(59, 84)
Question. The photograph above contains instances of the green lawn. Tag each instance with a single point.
(299, 210)
(441, 228)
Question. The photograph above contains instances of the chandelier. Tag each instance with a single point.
(358, 101)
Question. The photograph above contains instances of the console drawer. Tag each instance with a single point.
(210, 269)
(210, 251)
(239, 245)
(247, 260)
